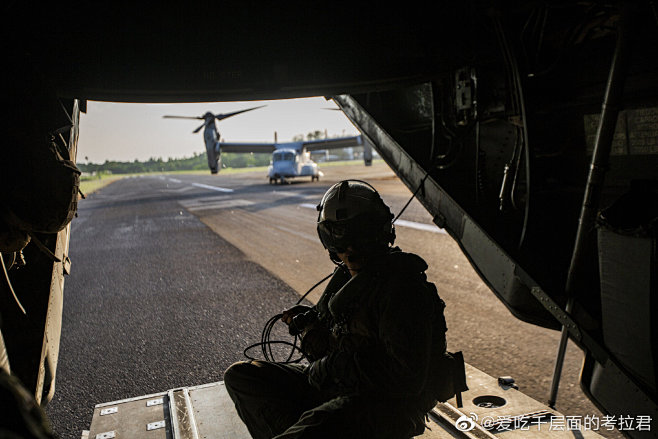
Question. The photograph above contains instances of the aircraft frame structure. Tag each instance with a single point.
(527, 129)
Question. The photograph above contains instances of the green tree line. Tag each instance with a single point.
(196, 162)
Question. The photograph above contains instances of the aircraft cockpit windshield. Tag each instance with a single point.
(283, 156)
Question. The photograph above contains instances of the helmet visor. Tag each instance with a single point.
(334, 236)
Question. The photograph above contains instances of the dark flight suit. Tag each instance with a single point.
(378, 343)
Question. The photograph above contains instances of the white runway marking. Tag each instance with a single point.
(285, 194)
(404, 223)
(216, 203)
(201, 185)
(212, 188)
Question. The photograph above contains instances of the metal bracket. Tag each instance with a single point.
(465, 95)
(66, 265)
(557, 312)
(155, 425)
(440, 220)
(152, 402)
(109, 410)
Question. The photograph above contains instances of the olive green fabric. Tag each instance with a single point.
(277, 401)
(390, 330)
(383, 332)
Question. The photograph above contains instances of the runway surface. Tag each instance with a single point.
(173, 276)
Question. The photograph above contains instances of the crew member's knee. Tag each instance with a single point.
(236, 373)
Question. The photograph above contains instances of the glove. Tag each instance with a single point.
(302, 322)
(317, 342)
(289, 315)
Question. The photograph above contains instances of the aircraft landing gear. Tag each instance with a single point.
(277, 180)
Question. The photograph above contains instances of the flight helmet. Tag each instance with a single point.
(352, 213)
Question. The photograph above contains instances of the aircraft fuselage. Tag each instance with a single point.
(291, 163)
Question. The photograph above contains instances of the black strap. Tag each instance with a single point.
(459, 376)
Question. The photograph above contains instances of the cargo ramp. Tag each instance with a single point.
(491, 408)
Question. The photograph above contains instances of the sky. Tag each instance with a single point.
(125, 132)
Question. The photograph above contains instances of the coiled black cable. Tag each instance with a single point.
(266, 344)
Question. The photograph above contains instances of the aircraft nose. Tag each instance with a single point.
(283, 168)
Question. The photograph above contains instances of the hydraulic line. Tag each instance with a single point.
(610, 109)
(11, 289)
(518, 107)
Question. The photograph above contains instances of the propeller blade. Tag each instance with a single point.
(225, 115)
(183, 117)
(199, 129)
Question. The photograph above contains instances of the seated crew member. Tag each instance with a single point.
(375, 340)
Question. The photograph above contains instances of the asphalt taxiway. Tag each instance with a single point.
(173, 275)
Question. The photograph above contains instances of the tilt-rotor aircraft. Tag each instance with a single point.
(211, 135)
(527, 129)
(293, 159)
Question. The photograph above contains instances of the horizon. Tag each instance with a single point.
(126, 132)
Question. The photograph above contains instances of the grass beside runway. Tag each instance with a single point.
(90, 185)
